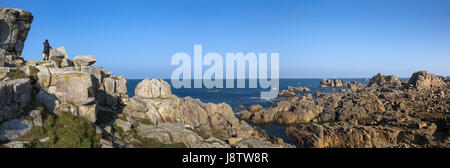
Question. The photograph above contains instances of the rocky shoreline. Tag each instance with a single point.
(386, 113)
(63, 102)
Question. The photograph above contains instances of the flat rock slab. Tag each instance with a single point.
(12, 129)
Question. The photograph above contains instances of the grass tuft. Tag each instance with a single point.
(201, 133)
(17, 74)
(33, 73)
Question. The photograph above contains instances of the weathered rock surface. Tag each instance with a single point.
(137, 104)
(14, 27)
(359, 136)
(84, 60)
(2, 58)
(36, 117)
(291, 111)
(148, 89)
(124, 125)
(14, 97)
(73, 88)
(216, 120)
(423, 80)
(254, 143)
(211, 142)
(14, 128)
(59, 53)
(169, 133)
(334, 83)
(59, 57)
(80, 91)
(88, 111)
(390, 81)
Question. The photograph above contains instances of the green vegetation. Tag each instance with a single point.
(138, 121)
(201, 133)
(204, 135)
(218, 134)
(17, 74)
(145, 122)
(33, 73)
(68, 131)
(118, 129)
(65, 131)
(34, 105)
(3, 146)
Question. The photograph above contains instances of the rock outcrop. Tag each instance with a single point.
(155, 103)
(79, 91)
(14, 128)
(334, 83)
(360, 136)
(11, 129)
(380, 80)
(423, 80)
(59, 57)
(154, 88)
(14, 27)
(84, 60)
(14, 97)
(58, 53)
(172, 133)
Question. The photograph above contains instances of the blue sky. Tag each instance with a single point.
(315, 38)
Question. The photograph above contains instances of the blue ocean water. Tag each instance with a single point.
(241, 96)
(246, 96)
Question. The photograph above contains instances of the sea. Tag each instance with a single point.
(247, 96)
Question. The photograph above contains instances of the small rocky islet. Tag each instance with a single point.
(63, 102)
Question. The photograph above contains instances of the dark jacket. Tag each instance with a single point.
(46, 48)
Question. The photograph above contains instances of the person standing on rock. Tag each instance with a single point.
(46, 50)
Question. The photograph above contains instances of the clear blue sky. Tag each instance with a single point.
(315, 38)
